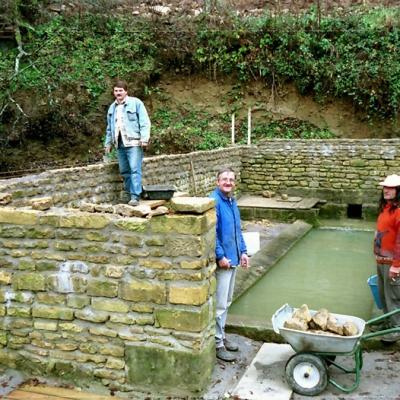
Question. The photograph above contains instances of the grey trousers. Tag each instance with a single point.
(225, 285)
(389, 293)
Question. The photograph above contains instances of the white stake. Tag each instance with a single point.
(249, 126)
(233, 129)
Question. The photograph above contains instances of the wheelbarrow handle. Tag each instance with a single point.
(381, 318)
(379, 333)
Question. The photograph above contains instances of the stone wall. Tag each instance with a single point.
(101, 183)
(124, 301)
(339, 171)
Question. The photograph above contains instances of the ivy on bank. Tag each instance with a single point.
(353, 56)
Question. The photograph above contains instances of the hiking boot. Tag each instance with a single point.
(224, 355)
(379, 327)
(390, 338)
(230, 346)
(133, 202)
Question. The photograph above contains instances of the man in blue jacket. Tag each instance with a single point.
(230, 252)
(128, 130)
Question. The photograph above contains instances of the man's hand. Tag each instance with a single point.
(244, 261)
(224, 263)
(107, 149)
(394, 272)
(144, 144)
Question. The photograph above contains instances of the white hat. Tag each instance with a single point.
(391, 181)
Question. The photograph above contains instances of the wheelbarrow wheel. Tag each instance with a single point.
(307, 374)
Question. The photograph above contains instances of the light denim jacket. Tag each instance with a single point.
(229, 238)
(136, 121)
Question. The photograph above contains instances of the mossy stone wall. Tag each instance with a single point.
(194, 173)
(92, 296)
(340, 171)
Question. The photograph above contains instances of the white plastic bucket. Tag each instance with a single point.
(252, 240)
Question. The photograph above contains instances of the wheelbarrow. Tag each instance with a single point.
(307, 371)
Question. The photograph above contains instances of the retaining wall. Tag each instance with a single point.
(124, 301)
(340, 171)
(101, 183)
(129, 301)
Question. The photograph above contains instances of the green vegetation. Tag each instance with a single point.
(66, 65)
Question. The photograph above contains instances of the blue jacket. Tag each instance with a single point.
(136, 121)
(229, 238)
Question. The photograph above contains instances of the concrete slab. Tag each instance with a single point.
(265, 377)
(263, 202)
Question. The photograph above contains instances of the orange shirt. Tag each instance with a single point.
(387, 235)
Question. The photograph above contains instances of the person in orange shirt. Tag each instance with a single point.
(387, 251)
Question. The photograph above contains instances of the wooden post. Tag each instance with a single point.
(249, 126)
(233, 129)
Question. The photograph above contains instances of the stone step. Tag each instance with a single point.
(264, 379)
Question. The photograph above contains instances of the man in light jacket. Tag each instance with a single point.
(230, 252)
(128, 130)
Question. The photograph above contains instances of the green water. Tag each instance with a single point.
(328, 268)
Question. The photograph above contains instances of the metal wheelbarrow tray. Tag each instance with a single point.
(316, 342)
(307, 371)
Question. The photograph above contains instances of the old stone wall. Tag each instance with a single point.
(125, 301)
(101, 183)
(338, 171)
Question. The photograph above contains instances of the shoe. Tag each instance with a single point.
(390, 338)
(133, 202)
(224, 355)
(230, 346)
(379, 327)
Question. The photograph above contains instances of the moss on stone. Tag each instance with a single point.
(171, 370)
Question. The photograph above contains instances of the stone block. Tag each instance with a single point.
(102, 331)
(155, 263)
(5, 198)
(19, 311)
(45, 325)
(186, 224)
(5, 277)
(104, 208)
(18, 216)
(183, 245)
(84, 221)
(132, 224)
(102, 288)
(114, 271)
(143, 290)
(112, 350)
(112, 305)
(127, 319)
(78, 301)
(96, 236)
(12, 232)
(41, 203)
(29, 281)
(3, 338)
(50, 298)
(179, 372)
(195, 205)
(115, 363)
(70, 327)
(194, 320)
(189, 295)
(52, 312)
(24, 297)
(92, 316)
(193, 264)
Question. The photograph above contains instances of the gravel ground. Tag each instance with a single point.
(379, 376)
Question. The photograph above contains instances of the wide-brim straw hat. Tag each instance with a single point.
(391, 181)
